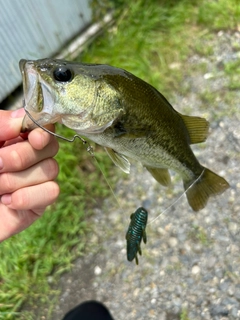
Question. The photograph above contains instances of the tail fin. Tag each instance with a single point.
(209, 184)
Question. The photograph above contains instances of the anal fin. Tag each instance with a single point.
(161, 175)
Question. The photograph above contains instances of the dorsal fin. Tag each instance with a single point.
(197, 128)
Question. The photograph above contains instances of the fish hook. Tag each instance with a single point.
(89, 148)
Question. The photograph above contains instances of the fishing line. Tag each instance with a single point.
(105, 178)
(172, 204)
(85, 142)
(90, 151)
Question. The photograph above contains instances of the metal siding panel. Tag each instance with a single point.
(35, 29)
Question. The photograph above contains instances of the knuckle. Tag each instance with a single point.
(6, 182)
(21, 199)
(16, 160)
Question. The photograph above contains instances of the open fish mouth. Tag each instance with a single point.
(31, 87)
(38, 100)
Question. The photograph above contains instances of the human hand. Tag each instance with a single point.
(27, 171)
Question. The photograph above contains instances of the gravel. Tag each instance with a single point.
(190, 263)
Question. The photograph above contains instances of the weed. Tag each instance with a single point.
(184, 314)
(198, 234)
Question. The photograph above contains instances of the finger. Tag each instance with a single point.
(39, 138)
(22, 155)
(32, 198)
(45, 171)
(9, 142)
(10, 123)
(13, 221)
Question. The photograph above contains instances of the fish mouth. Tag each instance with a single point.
(31, 87)
(38, 100)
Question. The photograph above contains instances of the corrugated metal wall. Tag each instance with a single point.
(33, 29)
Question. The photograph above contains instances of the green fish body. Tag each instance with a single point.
(124, 114)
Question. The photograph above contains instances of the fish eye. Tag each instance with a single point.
(62, 74)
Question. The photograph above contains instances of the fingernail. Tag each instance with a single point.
(19, 113)
(6, 199)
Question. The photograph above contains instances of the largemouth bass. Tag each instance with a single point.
(124, 114)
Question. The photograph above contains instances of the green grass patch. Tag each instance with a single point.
(153, 40)
(184, 315)
(219, 14)
(232, 69)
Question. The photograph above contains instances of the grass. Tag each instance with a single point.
(199, 235)
(152, 40)
(220, 14)
(184, 315)
(232, 69)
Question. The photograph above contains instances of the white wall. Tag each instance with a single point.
(33, 29)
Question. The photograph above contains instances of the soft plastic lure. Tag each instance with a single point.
(136, 232)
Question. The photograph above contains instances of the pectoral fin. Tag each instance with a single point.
(161, 175)
(197, 128)
(119, 160)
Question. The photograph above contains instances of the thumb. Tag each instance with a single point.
(10, 123)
